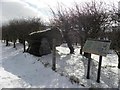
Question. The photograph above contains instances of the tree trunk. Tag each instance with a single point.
(24, 45)
(67, 39)
(81, 43)
(71, 48)
(7, 42)
(14, 45)
(81, 49)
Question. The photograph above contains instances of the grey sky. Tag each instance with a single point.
(11, 9)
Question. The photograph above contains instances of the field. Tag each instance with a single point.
(22, 70)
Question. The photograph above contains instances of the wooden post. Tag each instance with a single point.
(88, 69)
(54, 55)
(99, 69)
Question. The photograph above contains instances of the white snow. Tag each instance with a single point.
(22, 70)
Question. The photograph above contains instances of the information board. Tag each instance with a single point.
(96, 47)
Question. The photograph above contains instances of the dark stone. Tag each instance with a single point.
(40, 42)
(34, 48)
(44, 47)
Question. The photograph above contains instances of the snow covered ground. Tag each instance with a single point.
(18, 69)
(23, 70)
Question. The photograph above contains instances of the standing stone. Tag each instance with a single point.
(44, 47)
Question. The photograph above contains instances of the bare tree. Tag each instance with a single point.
(61, 21)
(5, 34)
(13, 31)
(20, 29)
(28, 26)
(114, 35)
(91, 21)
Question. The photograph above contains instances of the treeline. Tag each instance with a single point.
(20, 29)
(94, 20)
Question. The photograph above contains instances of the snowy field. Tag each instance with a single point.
(22, 70)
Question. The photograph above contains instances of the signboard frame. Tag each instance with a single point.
(99, 47)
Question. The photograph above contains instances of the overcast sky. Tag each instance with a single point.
(11, 9)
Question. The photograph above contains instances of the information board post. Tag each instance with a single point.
(98, 47)
(99, 69)
(88, 69)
